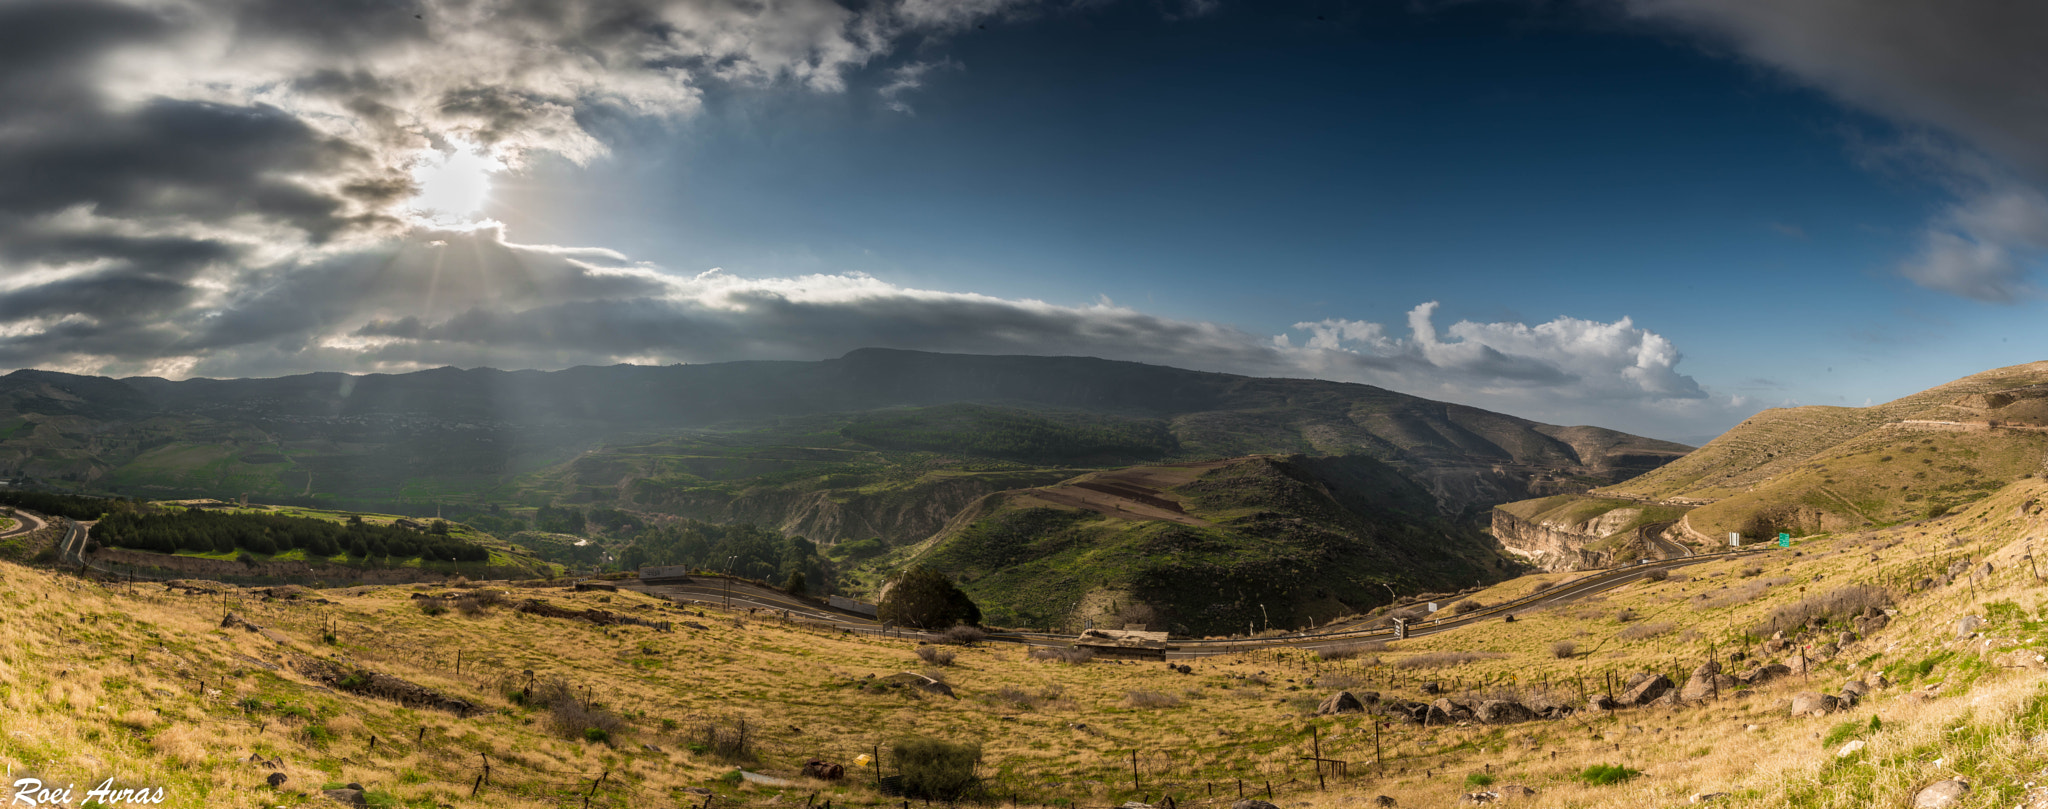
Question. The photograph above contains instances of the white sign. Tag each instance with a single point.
(1432, 606)
(1734, 540)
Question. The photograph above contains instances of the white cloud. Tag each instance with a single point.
(1964, 77)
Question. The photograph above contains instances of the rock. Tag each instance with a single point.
(1340, 702)
(2021, 659)
(1478, 798)
(352, 797)
(1708, 797)
(1808, 703)
(1432, 687)
(353, 785)
(1774, 645)
(1516, 791)
(1881, 681)
(1601, 702)
(1249, 803)
(275, 780)
(1850, 749)
(1941, 794)
(1702, 684)
(1369, 697)
(1645, 691)
(1846, 638)
(1855, 687)
(1825, 651)
(1764, 674)
(1384, 801)
(1967, 625)
(1503, 712)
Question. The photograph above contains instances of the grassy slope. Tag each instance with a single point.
(78, 708)
(504, 555)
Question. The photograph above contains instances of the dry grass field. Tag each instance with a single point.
(142, 684)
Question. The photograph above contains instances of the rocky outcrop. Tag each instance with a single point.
(1551, 547)
(827, 516)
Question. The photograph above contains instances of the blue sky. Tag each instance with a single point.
(1655, 215)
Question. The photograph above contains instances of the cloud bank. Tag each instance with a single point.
(1965, 78)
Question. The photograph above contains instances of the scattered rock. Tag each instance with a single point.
(1503, 712)
(1967, 625)
(1601, 702)
(1432, 687)
(1856, 688)
(1340, 702)
(1478, 798)
(1250, 803)
(2021, 659)
(1941, 794)
(1850, 749)
(352, 797)
(1384, 801)
(275, 780)
(1646, 691)
(1707, 797)
(1514, 791)
(1808, 703)
(1704, 682)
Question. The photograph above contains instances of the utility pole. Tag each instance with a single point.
(728, 580)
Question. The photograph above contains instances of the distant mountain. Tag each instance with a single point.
(704, 438)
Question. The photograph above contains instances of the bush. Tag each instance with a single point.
(471, 606)
(1625, 616)
(573, 718)
(963, 635)
(432, 606)
(1563, 650)
(1351, 650)
(1840, 604)
(936, 769)
(1601, 775)
(728, 739)
(1750, 572)
(1468, 605)
(926, 599)
(1478, 780)
(1659, 574)
(935, 655)
(1071, 655)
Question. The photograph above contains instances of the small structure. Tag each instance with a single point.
(1125, 643)
(665, 574)
(849, 605)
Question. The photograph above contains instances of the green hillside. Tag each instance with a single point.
(1209, 548)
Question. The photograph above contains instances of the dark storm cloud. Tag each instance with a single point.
(1972, 71)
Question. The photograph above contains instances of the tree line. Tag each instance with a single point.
(744, 550)
(223, 532)
(68, 506)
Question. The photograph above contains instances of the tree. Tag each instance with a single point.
(936, 769)
(795, 585)
(925, 598)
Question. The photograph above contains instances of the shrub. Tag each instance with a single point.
(1434, 660)
(1563, 650)
(571, 717)
(1749, 572)
(1151, 699)
(935, 655)
(1659, 574)
(1625, 616)
(1478, 780)
(599, 735)
(728, 738)
(432, 606)
(1606, 774)
(471, 606)
(1645, 631)
(925, 598)
(1839, 604)
(1071, 655)
(936, 769)
(963, 635)
(1351, 650)
(1468, 605)
(1018, 697)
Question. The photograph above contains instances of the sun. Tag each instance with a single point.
(454, 185)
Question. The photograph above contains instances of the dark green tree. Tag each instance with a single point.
(925, 598)
(796, 585)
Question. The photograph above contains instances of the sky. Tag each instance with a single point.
(1660, 216)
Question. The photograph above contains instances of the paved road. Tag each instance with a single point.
(24, 522)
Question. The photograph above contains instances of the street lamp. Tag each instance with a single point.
(728, 580)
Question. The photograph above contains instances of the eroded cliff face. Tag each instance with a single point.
(1554, 548)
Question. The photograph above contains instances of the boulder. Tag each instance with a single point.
(1340, 702)
(1250, 803)
(1515, 792)
(1867, 625)
(1967, 625)
(1478, 798)
(1845, 638)
(1808, 703)
(1503, 712)
(1432, 687)
(351, 797)
(1941, 794)
(1764, 674)
(1384, 801)
(275, 780)
(1881, 681)
(1702, 684)
(1645, 691)
(1601, 702)
(1774, 646)
(1856, 688)
(1850, 749)
(1825, 651)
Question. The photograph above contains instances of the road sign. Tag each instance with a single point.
(1784, 540)
(1432, 606)
(1734, 540)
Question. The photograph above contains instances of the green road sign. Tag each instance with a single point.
(1784, 540)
